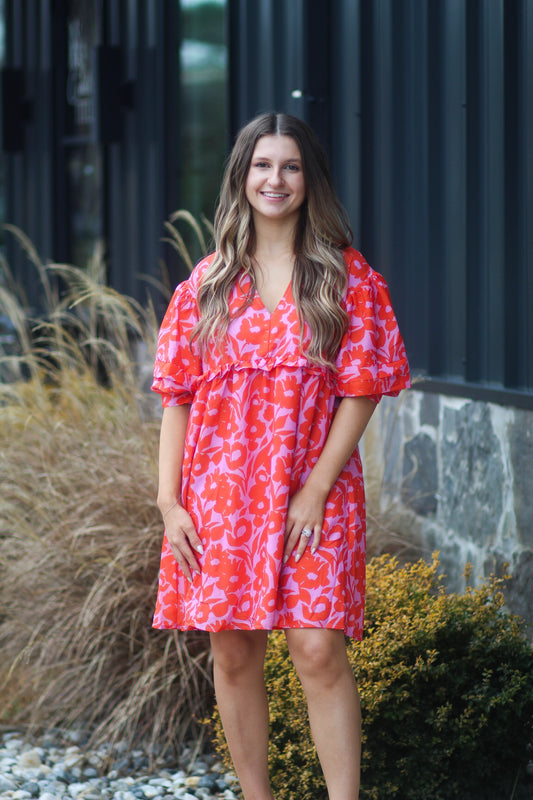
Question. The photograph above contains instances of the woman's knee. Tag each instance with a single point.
(237, 652)
(318, 652)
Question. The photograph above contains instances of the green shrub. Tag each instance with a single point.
(446, 684)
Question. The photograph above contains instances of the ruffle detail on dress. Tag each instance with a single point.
(267, 364)
(374, 386)
(372, 358)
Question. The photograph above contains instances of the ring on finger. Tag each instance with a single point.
(307, 532)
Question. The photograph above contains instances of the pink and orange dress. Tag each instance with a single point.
(260, 414)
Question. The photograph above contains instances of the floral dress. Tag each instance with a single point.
(259, 417)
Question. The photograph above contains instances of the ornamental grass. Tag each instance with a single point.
(80, 532)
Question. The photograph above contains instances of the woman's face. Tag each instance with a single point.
(275, 185)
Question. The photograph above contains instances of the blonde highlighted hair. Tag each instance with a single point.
(319, 275)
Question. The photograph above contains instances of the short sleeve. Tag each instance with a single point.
(177, 365)
(372, 360)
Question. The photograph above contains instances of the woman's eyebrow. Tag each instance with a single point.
(285, 160)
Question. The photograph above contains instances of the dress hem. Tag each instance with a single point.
(210, 629)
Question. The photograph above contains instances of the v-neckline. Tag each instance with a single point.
(280, 301)
(259, 300)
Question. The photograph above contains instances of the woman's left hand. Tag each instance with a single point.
(305, 513)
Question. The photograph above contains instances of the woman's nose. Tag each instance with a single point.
(276, 176)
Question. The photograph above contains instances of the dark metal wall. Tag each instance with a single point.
(138, 193)
(275, 63)
(427, 110)
(424, 105)
(134, 136)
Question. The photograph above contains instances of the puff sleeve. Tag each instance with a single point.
(178, 365)
(372, 359)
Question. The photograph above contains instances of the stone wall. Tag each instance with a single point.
(459, 475)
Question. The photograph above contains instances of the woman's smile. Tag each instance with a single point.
(275, 185)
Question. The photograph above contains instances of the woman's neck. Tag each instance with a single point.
(274, 240)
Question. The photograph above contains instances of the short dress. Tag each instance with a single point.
(260, 413)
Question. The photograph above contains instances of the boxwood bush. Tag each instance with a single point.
(446, 684)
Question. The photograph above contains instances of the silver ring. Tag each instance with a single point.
(307, 532)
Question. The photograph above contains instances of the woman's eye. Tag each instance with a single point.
(293, 167)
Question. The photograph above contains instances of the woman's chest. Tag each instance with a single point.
(255, 333)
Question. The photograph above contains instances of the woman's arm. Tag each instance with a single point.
(306, 507)
(179, 526)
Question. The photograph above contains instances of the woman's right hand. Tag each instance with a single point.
(183, 539)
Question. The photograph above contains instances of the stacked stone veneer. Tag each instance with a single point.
(459, 474)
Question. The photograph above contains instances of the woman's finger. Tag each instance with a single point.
(183, 540)
(186, 558)
(317, 535)
(183, 552)
(299, 540)
(307, 535)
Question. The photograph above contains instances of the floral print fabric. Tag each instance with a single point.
(260, 414)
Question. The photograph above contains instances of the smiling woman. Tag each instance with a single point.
(275, 186)
(270, 359)
(275, 190)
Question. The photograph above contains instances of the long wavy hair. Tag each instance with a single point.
(319, 275)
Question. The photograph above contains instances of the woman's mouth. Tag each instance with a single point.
(274, 195)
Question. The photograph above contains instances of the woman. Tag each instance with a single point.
(271, 359)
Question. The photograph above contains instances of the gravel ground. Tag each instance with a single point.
(58, 767)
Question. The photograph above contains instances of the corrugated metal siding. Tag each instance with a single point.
(429, 123)
(137, 195)
(274, 54)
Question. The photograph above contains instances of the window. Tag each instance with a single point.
(80, 156)
(203, 103)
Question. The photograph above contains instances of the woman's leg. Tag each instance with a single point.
(321, 662)
(242, 702)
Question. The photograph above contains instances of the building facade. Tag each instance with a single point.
(114, 115)
(118, 112)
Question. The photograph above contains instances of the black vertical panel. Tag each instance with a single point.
(168, 71)
(265, 55)
(378, 133)
(28, 175)
(280, 60)
(121, 185)
(437, 298)
(236, 66)
(453, 187)
(346, 108)
(474, 277)
(317, 66)
(394, 158)
(115, 206)
(148, 130)
(271, 49)
(493, 233)
(526, 209)
(518, 28)
(60, 128)
(395, 130)
(485, 191)
(138, 187)
(512, 195)
(409, 273)
(368, 127)
(288, 61)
